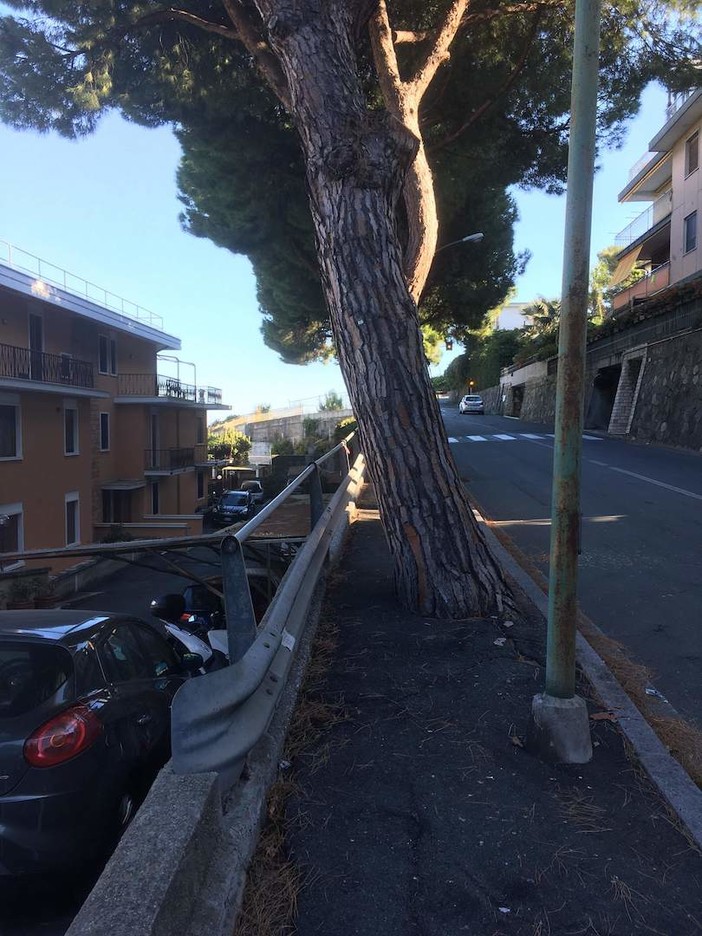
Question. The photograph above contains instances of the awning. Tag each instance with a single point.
(123, 485)
(625, 266)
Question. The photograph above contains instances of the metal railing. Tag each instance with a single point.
(654, 280)
(168, 459)
(49, 273)
(155, 385)
(218, 718)
(648, 219)
(676, 101)
(25, 364)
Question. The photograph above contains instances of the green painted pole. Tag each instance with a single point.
(565, 506)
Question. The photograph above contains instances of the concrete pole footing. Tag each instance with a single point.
(559, 729)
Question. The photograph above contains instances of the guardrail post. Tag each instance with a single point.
(316, 499)
(238, 608)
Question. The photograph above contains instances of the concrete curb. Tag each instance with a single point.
(672, 782)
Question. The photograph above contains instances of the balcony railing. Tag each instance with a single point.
(25, 364)
(676, 101)
(154, 385)
(660, 209)
(169, 459)
(651, 283)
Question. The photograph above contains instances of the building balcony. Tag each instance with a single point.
(22, 367)
(160, 462)
(642, 289)
(140, 388)
(661, 208)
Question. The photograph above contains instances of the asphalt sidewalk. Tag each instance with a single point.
(421, 812)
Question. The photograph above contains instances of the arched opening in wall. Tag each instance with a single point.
(604, 393)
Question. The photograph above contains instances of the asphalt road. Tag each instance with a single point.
(640, 571)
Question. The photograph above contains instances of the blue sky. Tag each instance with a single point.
(105, 208)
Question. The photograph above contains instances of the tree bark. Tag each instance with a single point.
(356, 164)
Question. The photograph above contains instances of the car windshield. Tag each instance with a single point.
(474, 399)
(235, 499)
(30, 673)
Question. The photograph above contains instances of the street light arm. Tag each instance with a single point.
(470, 239)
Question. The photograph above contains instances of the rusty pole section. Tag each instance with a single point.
(565, 506)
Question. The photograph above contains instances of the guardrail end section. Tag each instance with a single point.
(150, 884)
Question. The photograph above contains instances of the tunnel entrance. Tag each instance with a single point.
(604, 393)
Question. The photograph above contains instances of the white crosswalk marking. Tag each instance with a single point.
(504, 437)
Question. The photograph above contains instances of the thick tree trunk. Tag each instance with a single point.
(355, 167)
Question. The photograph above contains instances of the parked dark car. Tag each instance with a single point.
(233, 507)
(85, 701)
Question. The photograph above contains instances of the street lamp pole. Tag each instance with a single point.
(559, 726)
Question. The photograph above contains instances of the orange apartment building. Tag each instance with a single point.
(91, 435)
(664, 239)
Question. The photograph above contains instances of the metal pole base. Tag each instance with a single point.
(559, 730)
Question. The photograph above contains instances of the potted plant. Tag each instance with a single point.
(20, 594)
(45, 595)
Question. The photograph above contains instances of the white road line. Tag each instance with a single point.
(452, 440)
(595, 462)
(668, 487)
(505, 438)
(477, 438)
(592, 438)
(530, 435)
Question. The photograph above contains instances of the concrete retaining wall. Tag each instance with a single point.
(668, 409)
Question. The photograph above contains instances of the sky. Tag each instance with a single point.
(105, 208)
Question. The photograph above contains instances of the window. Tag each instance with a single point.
(70, 425)
(154, 497)
(107, 357)
(72, 519)
(135, 652)
(201, 429)
(11, 533)
(200, 484)
(116, 507)
(104, 432)
(690, 232)
(692, 154)
(10, 443)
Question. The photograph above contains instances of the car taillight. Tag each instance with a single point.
(63, 737)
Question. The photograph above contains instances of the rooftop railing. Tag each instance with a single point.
(48, 274)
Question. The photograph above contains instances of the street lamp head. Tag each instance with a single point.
(469, 239)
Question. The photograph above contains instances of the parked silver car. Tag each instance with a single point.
(471, 403)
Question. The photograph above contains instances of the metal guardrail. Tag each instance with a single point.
(218, 718)
(661, 208)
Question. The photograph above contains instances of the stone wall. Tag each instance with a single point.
(668, 409)
(534, 401)
(539, 403)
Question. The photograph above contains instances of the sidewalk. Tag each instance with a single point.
(421, 812)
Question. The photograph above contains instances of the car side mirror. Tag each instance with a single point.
(192, 662)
